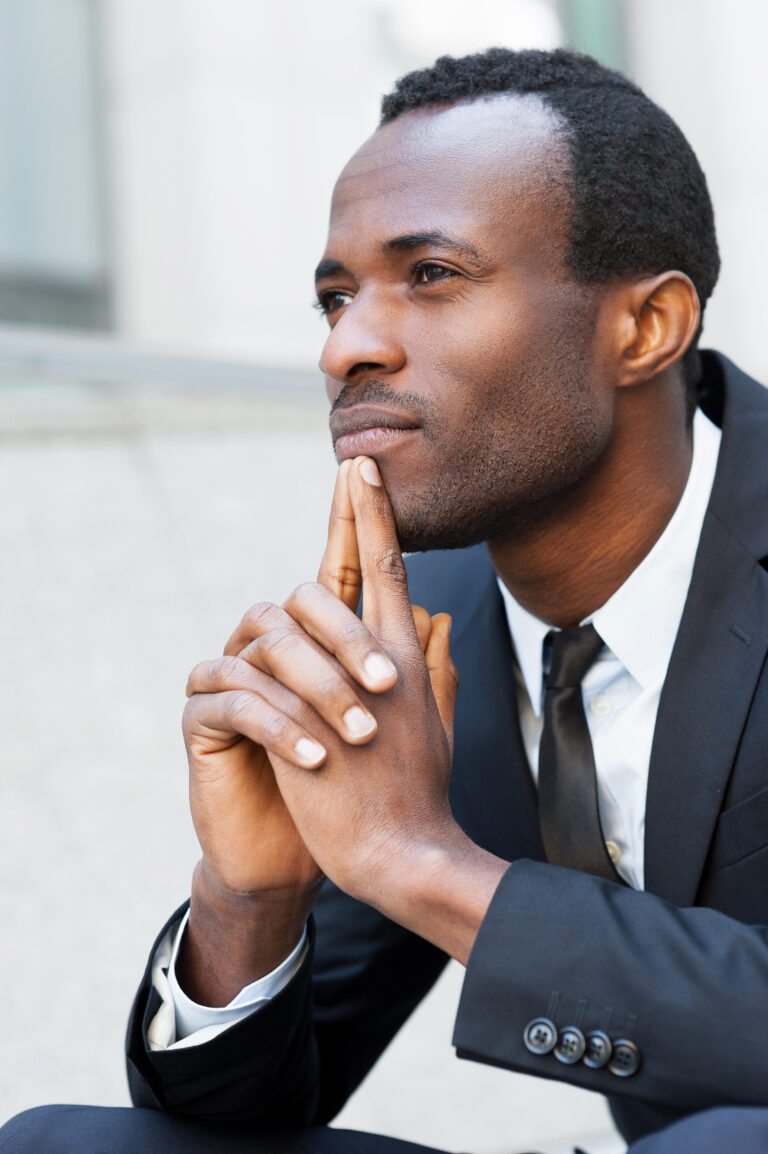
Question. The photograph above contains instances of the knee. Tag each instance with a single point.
(743, 1129)
(36, 1130)
(82, 1130)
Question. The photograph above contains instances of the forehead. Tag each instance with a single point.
(496, 167)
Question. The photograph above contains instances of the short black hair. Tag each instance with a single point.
(639, 199)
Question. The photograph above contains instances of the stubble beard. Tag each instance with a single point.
(493, 496)
(504, 477)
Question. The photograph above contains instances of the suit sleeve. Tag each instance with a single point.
(687, 987)
(296, 1060)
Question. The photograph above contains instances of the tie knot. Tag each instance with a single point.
(573, 652)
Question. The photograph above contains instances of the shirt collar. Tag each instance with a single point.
(639, 622)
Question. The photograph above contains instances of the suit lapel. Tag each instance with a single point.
(718, 655)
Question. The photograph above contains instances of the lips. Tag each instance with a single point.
(362, 430)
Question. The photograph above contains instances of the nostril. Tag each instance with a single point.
(364, 367)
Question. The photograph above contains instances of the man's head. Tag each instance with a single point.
(509, 225)
(639, 200)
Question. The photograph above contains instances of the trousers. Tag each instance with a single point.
(122, 1130)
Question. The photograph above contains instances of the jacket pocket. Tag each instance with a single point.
(741, 830)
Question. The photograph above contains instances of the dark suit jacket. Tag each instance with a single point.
(681, 969)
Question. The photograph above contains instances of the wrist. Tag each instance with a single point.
(233, 938)
(440, 888)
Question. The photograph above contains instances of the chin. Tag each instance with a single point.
(418, 536)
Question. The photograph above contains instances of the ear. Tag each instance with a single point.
(659, 319)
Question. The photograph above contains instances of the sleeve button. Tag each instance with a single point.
(540, 1036)
(571, 1045)
(626, 1058)
(598, 1050)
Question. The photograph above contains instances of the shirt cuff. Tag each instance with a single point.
(180, 1022)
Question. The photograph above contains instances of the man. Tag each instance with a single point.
(515, 272)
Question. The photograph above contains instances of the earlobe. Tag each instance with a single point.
(661, 316)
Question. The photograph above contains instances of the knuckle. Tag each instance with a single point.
(307, 591)
(301, 598)
(221, 673)
(331, 689)
(260, 616)
(345, 576)
(390, 565)
(274, 728)
(240, 708)
(196, 676)
(353, 630)
(277, 643)
(237, 704)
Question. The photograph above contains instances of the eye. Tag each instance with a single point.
(331, 301)
(428, 272)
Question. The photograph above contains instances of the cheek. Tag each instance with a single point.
(476, 368)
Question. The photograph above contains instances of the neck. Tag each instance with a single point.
(570, 561)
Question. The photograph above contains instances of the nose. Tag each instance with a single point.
(364, 342)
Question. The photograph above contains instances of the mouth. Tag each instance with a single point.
(361, 431)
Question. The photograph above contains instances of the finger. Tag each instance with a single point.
(293, 659)
(386, 605)
(423, 623)
(216, 716)
(223, 676)
(443, 675)
(341, 633)
(287, 657)
(340, 567)
(262, 616)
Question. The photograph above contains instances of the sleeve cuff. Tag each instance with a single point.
(180, 1022)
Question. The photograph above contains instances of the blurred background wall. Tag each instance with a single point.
(165, 174)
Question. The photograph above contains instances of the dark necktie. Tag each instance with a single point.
(568, 812)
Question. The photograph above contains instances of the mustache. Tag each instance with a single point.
(377, 393)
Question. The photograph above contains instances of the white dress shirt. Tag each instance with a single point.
(638, 625)
(621, 691)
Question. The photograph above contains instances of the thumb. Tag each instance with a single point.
(443, 674)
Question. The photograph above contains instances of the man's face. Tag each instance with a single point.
(462, 357)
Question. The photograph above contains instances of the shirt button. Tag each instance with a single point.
(601, 705)
(614, 853)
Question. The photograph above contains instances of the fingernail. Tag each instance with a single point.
(378, 668)
(369, 472)
(310, 752)
(358, 723)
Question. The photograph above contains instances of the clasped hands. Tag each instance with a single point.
(321, 743)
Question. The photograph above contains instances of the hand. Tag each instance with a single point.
(376, 817)
(238, 709)
(255, 886)
(370, 812)
(253, 856)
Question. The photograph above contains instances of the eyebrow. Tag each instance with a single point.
(409, 242)
(328, 268)
(435, 239)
